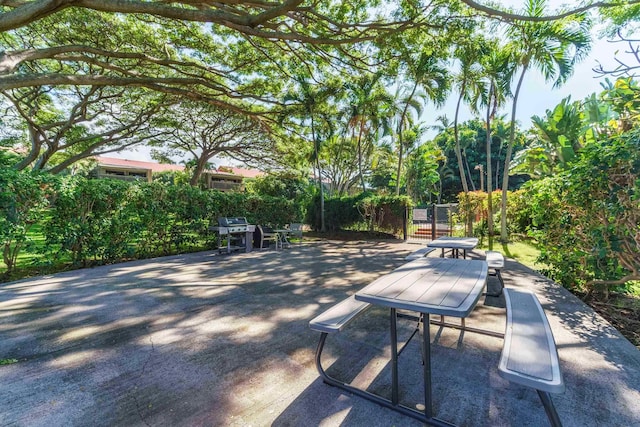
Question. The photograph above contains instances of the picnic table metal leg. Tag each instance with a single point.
(394, 357)
(425, 417)
(550, 409)
(426, 354)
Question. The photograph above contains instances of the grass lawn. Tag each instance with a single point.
(523, 251)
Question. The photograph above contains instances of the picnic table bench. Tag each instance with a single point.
(495, 261)
(419, 253)
(529, 356)
(338, 316)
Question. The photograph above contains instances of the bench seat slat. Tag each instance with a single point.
(337, 317)
(420, 253)
(494, 259)
(529, 356)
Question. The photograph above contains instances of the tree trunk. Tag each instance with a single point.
(400, 153)
(466, 163)
(197, 173)
(323, 227)
(463, 178)
(400, 141)
(507, 162)
(489, 172)
(36, 146)
(360, 154)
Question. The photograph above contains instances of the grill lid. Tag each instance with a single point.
(225, 221)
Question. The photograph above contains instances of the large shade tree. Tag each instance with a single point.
(68, 124)
(164, 46)
(206, 132)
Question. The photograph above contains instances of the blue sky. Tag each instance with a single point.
(536, 95)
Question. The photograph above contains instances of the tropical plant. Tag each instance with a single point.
(553, 48)
(367, 111)
(554, 140)
(496, 71)
(587, 215)
(426, 72)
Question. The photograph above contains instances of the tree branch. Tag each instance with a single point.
(491, 11)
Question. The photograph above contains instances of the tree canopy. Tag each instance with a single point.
(86, 77)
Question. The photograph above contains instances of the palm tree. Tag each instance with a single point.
(553, 48)
(496, 75)
(468, 80)
(368, 108)
(307, 99)
(406, 99)
(429, 73)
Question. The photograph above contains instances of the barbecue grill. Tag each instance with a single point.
(234, 234)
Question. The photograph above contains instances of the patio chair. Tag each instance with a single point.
(296, 229)
(267, 236)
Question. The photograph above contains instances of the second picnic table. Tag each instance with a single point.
(455, 244)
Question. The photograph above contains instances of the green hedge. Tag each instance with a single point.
(587, 217)
(363, 211)
(88, 221)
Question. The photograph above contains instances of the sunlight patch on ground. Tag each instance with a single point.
(74, 359)
(288, 314)
(80, 333)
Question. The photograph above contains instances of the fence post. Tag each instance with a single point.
(433, 221)
(405, 221)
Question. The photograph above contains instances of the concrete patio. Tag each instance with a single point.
(214, 340)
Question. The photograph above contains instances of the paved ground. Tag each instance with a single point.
(208, 340)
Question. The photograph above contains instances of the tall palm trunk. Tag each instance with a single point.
(463, 178)
(489, 171)
(505, 177)
(400, 141)
(323, 227)
(361, 131)
(466, 164)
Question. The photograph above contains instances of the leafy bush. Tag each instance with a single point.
(89, 220)
(96, 221)
(285, 185)
(24, 197)
(380, 213)
(587, 217)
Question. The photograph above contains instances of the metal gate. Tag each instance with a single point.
(429, 223)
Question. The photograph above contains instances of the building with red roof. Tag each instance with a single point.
(225, 178)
